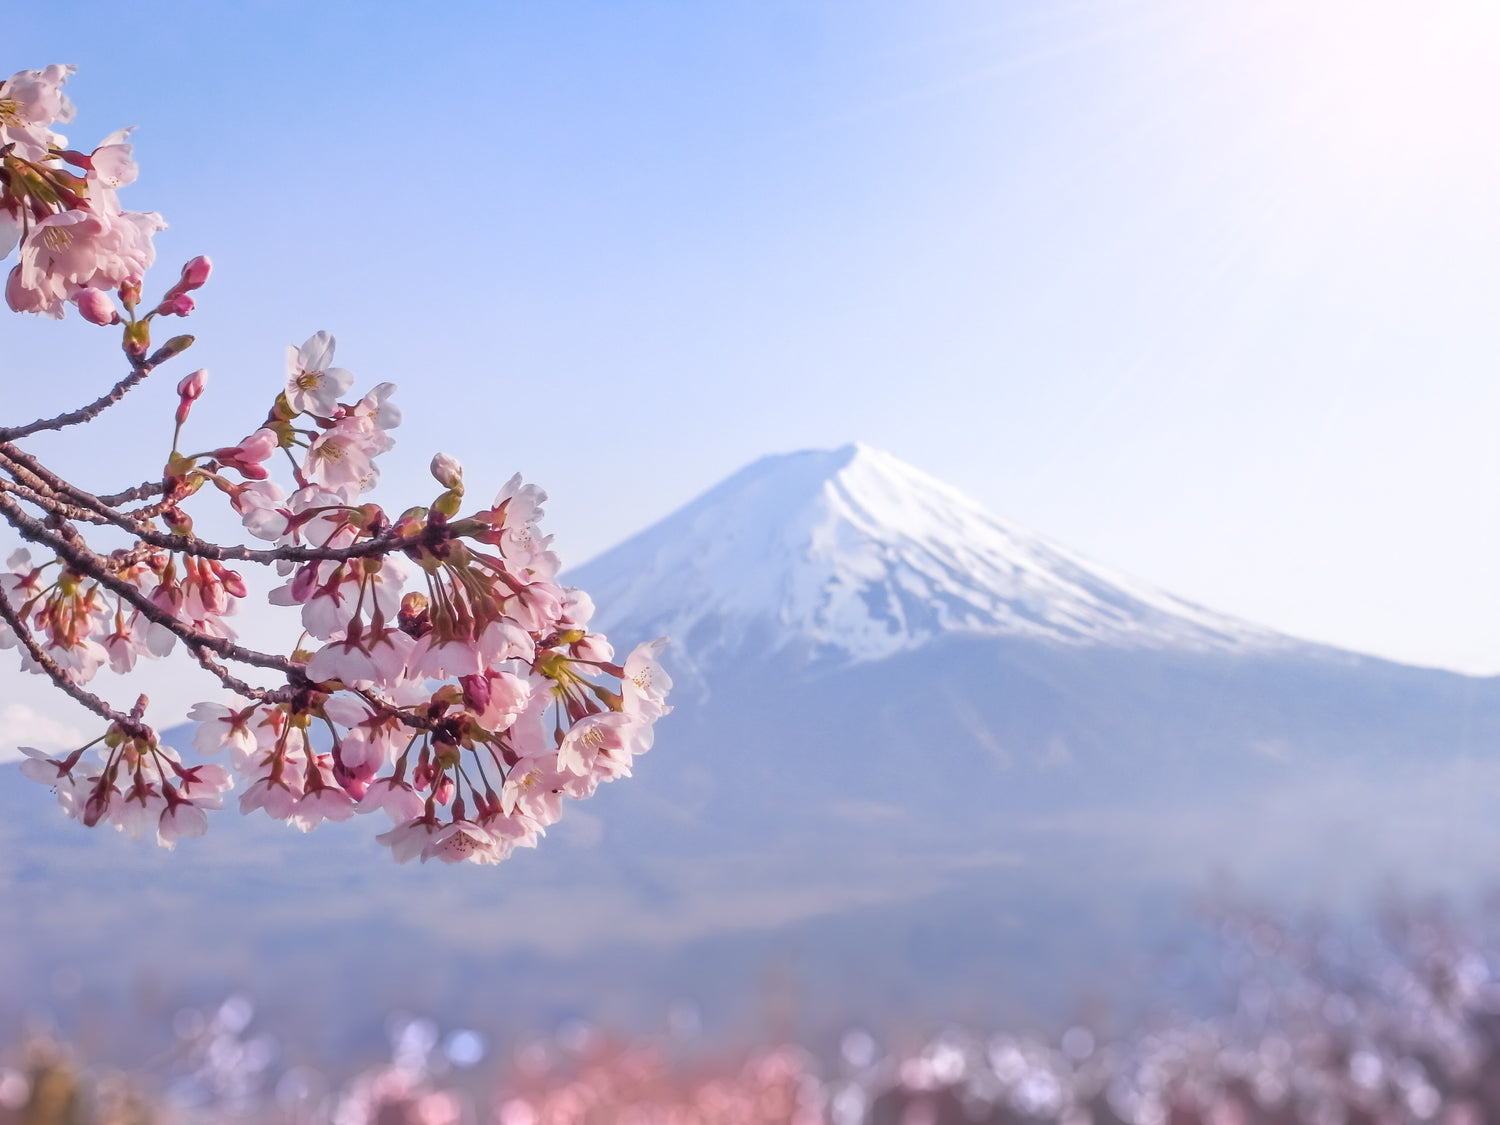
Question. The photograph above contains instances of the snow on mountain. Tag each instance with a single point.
(854, 555)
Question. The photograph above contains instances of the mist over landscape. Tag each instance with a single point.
(924, 767)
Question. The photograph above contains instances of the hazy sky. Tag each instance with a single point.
(1206, 291)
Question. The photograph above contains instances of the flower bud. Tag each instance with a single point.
(96, 307)
(175, 304)
(195, 273)
(175, 346)
(191, 386)
(95, 807)
(234, 583)
(248, 455)
(415, 618)
(188, 392)
(137, 336)
(476, 692)
(448, 472)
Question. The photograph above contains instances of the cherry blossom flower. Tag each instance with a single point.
(601, 745)
(395, 798)
(461, 841)
(409, 839)
(313, 385)
(31, 100)
(70, 251)
(645, 683)
(536, 786)
(220, 726)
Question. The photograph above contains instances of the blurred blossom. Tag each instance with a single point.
(857, 1048)
(464, 1048)
(1078, 1043)
(14, 1088)
(1393, 1025)
(234, 1014)
(412, 1043)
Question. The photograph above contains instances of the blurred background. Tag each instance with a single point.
(893, 359)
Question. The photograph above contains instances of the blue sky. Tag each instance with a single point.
(1205, 291)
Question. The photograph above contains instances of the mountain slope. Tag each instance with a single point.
(853, 555)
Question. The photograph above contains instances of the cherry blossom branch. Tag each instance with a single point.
(381, 544)
(55, 507)
(143, 491)
(131, 723)
(494, 660)
(85, 562)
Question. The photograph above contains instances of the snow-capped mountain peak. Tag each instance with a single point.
(853, 554)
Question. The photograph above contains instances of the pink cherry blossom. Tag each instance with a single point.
(30, 100)
(220, 726)
(409, 839)
(395, 798)
(277, 794)
(313, 384)
(69, 251)
(601, 745)
(111, 165)
(646, 683)
(462, 841)
(343, 458)
(181, 819)
(535, 786)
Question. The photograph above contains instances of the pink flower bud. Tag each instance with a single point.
(191, 387)
(248, 455)
(188, 392)
(96, 307)
(448, 472)
(195, 273)
(175, 304)
(476, 692)
(233, 583)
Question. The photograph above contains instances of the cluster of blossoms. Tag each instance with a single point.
(444, 676)
(77, 242)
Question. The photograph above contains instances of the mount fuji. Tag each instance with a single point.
(923, 764)
(852, 555)
(881, 608)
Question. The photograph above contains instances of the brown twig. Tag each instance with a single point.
(56, 507)
(141, 491)
(83, 413)
(190, 544)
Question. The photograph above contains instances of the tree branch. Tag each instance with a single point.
(57, 507)
(85, 562)
(190, 544)
(139, 492)
(83, 413)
